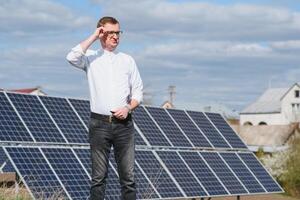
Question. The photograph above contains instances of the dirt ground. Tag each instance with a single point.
(258, 197)
(9, 193)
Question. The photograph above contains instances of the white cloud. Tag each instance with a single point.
(30, 17)
(205, 20)
(206, 48)
(286, 45)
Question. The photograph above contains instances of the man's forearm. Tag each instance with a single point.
(133, 104)
(87, 43)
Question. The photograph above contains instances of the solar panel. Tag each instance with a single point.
(226, 130)
(82, 107)
(69, 171)
(208, 129)
(36, 118)
(261, 174)
(169, 127)
(149, 128)
(189, 128)
(145, 190)
(157, 175)
(242, 172)
(5, 164)
(36, 173)
(233, 185)
(204, 174)
(66, 119)
(182, 174)
(11, 126)
(85, 157)
(61, 168)
(138, 138)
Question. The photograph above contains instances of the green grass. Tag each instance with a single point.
(290, 179)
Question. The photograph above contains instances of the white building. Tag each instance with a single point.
(276, 106)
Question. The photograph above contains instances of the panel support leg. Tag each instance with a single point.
(238, 197)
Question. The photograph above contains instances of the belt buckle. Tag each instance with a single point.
(110, 118)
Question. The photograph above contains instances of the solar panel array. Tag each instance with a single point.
(179, 153)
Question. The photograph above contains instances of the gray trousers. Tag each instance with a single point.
(120, 135)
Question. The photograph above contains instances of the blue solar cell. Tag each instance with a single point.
(157, 175)
(223, 172)
(144, 188)
(203, 173)
(168, 126)
(138, 138)
(226, 130)
(242, 173)
(36, 118)
(70, 172)
(11, 127)
(5, 164)
(85, 157)
(112, 183)
(182, 174)
(208, 129)
(261, 174)
(36, 173)
(149, 128)
(82, 107)
(66, 119)
(189, 128)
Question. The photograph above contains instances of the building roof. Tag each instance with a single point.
(36, 90)
(268, 102)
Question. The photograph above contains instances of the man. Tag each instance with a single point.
(115, 91)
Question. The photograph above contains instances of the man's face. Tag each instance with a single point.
(111, 36)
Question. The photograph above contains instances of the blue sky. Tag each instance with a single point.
(215, 52)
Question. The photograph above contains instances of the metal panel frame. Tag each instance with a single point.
(172, 145)
(21, 176)
(193, 145)
(265, 170)
(160, 128)
(230, 127)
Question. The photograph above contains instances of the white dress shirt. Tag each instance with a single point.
(113, 78)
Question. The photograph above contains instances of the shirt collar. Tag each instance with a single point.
(110, 53)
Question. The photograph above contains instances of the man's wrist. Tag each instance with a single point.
(128, 108)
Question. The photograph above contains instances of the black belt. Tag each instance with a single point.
(109, 118)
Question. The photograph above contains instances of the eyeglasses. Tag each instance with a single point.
(111, 33)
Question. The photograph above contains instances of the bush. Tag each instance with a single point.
(260, 153)
(290, 179)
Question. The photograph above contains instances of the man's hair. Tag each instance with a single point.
(105, 20)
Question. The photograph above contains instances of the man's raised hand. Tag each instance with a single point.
(99, 32)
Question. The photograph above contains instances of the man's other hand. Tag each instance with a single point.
(121, 113)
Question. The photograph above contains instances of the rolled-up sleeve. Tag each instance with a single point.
(77, 58)
(136, 84)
